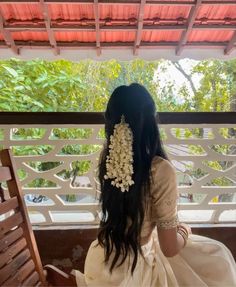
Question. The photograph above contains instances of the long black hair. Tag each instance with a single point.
(123, 212)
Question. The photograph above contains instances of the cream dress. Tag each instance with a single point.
(202, 262)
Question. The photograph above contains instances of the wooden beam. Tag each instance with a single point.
(219, 2)
(84, 45)
(140, 27)
(7, 35)
(185, 34)
(30, 26)
(230, 46)
(47, 22)
(97, 26)
(93, 118)
(215, 27)
(128, 2)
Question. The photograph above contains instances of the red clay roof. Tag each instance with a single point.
(134, 24)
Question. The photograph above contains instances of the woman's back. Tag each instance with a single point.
(161, 208)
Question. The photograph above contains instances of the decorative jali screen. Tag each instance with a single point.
(57, 167)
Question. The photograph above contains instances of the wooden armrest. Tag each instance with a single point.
(56, 277)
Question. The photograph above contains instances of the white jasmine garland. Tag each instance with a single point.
(119, 162)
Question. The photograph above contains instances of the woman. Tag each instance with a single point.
(140, 242)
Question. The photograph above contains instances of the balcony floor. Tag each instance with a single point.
(72, 243)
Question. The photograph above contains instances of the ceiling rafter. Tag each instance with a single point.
(82, 45)
(230, 46)
(7, 35)
(97, 26)
(47, 22)
(185, 34)
(129, 2)
(31, 26)
(140, 26)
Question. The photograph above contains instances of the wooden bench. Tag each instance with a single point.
(20, 263)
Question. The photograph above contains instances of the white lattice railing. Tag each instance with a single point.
(204, 156)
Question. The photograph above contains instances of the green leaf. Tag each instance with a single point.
(11, 71)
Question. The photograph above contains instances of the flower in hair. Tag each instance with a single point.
(119, 161)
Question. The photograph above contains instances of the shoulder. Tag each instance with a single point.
(163, 181)
(162, 167)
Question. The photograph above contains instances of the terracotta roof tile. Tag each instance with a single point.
(75, 22)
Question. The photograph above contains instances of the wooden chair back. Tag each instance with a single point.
(20, 264)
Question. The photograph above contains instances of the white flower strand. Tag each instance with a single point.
(119, 162)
